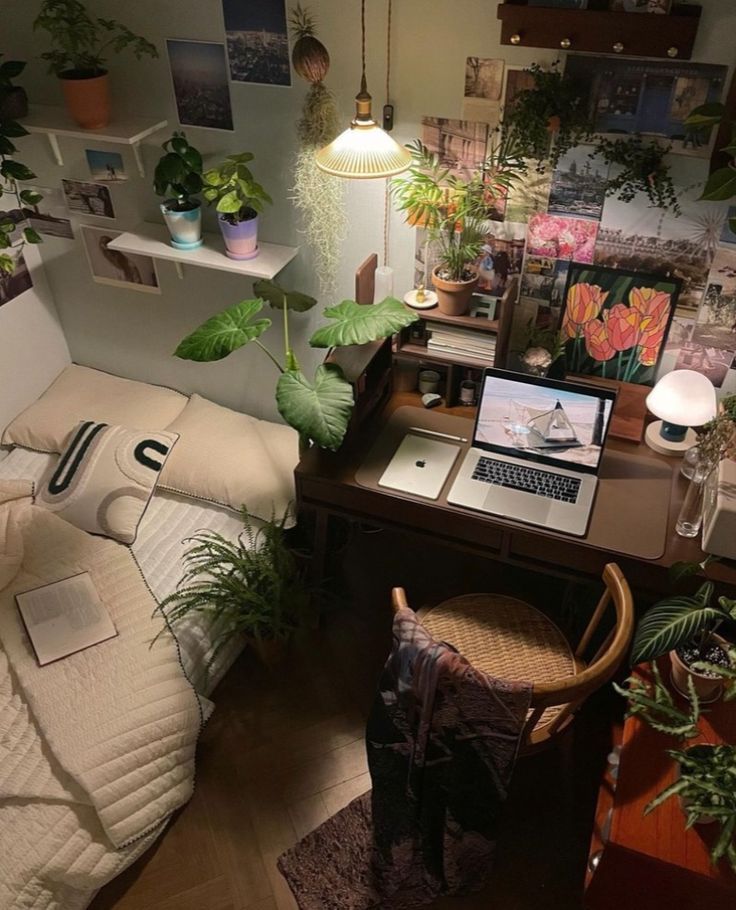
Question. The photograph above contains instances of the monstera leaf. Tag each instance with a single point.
(318, 410)
(274, 295)
(669, 624)
(224, 333)
(356, 324)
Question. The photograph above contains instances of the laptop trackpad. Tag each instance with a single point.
(517, 505)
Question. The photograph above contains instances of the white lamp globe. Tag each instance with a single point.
(681, 399)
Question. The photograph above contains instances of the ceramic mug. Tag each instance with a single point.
(467, 392)
(429, 381)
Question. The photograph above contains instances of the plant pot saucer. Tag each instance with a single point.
(180, 245)
(241, 256)
(430, 300)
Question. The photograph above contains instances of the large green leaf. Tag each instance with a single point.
(705, 115)
(669, 624)
(319, 411)
(274, 294)
(224, 333)
(721, 185)
(356, 324)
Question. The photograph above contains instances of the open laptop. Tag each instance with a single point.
(537, 448)
(420, 466)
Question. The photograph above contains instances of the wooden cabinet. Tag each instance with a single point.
(601, 31)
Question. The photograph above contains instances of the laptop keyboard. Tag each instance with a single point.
(528, 480)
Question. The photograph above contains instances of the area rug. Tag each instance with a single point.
(442, 739)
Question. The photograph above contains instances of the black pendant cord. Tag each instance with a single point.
(362, 31)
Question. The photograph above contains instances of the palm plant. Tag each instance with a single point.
(251, 587)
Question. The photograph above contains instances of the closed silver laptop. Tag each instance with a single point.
(536, 453)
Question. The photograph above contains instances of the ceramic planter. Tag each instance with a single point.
(14, 104)
(185, 227)
(241, 238)
(87, 99)
(453, 297)
(709, 688)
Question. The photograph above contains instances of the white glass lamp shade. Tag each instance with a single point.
(684, 398)
(362, 152)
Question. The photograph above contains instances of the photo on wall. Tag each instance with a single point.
(616, 322)
(257, 41)
(50, 217)
(715, 326)
(579, 185)
(124, 270)
(715, 363)
(460, 144)
(201, 87)
(15, 283)
(482, 94)
(106, 167)
(558, 237)
(501, 258)
(86, 198)
(728, 235)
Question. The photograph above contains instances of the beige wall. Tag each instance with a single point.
(134, 334)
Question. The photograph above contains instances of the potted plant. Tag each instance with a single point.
(238, 200)
(13, 98)
(641, 169)
(252, 587)
(80, 43)
(454, 211)
(178, 178)
(686, 627)
(318, 409)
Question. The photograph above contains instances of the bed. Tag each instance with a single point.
(72, 818)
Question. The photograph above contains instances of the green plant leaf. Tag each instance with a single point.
(705, 115)
(668, 624)
(14, 130)
(32, 236)
(14, 170)
(320, 410)
(30, 197)
(356, 324)
(721, 185)
(7, 264)
(12, 68)
(273, 294)
(230, 203)
(224, 333)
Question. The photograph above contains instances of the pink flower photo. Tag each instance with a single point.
(561, 238)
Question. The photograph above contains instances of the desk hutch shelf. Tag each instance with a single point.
(601, 31)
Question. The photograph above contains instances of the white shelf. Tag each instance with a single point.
(153, 240)
(55, 122)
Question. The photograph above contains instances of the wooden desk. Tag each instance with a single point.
(652, 860)
(326, 483)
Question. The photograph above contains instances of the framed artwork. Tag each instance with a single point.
(257, 41)
(201, 87)
(123, 270)
(615, 322)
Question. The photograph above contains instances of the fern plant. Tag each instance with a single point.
(250, 587)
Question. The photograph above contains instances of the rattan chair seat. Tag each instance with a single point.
(504, 637)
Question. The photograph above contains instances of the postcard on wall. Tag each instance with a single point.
(460, 144)
(715, 325)
(529, 195)
(728, 234)
(106, 167)
(615, 322)
(125, 270)
(714, 363)
(257, 41)
(482, 95)
(561, 238)
(83, 198)
(13, 284)
(201, 87)
(50, 216)
(501, 258)
(649, 97)
(544, 279)
(579, 185)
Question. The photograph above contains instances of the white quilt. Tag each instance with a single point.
(80, 800)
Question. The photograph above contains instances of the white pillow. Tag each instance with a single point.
(232, 459)
(104, 479)
(80, 393)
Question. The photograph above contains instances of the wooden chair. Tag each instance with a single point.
(511, 640)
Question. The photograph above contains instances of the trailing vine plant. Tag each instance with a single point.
(12, 173)
(643, 169)
(319, 197)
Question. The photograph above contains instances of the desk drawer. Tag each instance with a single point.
(545, 551)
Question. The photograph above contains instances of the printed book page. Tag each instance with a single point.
(64, 617)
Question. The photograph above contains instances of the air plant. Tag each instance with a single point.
(318, 196)
(642, 169)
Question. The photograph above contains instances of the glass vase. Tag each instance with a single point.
(691, 514)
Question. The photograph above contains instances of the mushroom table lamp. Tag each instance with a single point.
(681, 399)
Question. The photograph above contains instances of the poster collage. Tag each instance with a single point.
(255, 50)
(683, 267)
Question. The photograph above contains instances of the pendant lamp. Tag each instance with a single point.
(364, 150)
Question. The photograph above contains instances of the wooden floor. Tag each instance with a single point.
(284, 751)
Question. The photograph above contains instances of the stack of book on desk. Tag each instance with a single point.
(466, 342)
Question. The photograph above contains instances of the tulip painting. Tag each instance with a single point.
(615, 322)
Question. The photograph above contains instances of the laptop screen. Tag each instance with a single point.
(558, 423)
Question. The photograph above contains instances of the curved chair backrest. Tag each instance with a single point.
(572, 690)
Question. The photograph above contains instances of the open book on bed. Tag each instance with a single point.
(64, 617)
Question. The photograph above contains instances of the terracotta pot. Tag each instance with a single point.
(708, 688)
(87, 99)
(453, 297)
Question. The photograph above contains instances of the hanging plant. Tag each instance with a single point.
(317, 195)
(551, 118)
(643, 169)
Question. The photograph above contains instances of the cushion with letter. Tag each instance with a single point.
(232, 459)
(105, 477)
(81, 393)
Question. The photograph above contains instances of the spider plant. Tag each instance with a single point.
(252, 586)
(655, 705)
